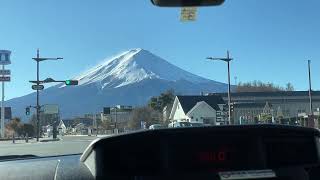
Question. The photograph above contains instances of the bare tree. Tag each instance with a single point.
(258, 86)
(289, 87)
(145, 114)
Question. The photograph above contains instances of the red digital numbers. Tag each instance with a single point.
(219, 156)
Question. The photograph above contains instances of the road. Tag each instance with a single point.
(67, 145)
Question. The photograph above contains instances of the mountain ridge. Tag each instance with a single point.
(129, 78)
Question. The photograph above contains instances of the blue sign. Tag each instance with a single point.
(5, 57)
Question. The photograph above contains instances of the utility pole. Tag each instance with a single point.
(227, 59)
(2, 107)
(311, 118)
(229, 89)
(5, 77)
(38, 106)
(115, 125)
(38, 82)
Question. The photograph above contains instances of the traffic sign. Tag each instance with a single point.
(5, 78)
(5, 57)
(37, 87)
(5, 72)
(7, 113)
(51, 109)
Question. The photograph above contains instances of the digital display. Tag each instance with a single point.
(213, 157)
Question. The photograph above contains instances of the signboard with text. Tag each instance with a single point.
(5, 78)
(7, 113)
(37, 87)
(51, 109)
(5, 72)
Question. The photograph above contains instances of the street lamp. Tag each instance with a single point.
(311, 121)
(227, 59)
(38, 59)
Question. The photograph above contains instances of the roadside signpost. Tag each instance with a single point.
(37, 87)
(4, 77)
(5, 72)
(50, 109)
(7, 113)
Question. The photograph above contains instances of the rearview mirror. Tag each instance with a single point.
(186, 3)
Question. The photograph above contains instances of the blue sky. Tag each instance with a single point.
(270, 40)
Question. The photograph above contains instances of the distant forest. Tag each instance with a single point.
(258, 86)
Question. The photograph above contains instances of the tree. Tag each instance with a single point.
(105, 124)
(289, 87)
(146, 114)
(28, 129)
(258, 86)
(159, 102)
(45, 119)
(15, 125)
(266, 118)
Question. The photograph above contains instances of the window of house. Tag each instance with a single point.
(196, 119)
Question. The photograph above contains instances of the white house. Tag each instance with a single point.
(207, 110)
(62, 128)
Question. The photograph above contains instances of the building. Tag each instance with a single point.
(166, 113)
(73, 126)
(284, 103)
(119, 116)
(247, 113)
(198, 109)
(62, 129)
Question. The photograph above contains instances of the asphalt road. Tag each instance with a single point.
(66, 145)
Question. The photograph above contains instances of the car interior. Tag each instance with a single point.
(219, 152)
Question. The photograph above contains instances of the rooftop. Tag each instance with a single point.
(188, 102)
(263, 94)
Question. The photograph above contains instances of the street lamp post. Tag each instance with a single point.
(38, 82)
(311, 118)
(227, 59)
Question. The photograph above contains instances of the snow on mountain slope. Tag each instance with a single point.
(131, 78)
(134, 66)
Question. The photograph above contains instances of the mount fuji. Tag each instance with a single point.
(130, 78)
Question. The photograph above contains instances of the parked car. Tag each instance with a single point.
(196, 124)
(156, 126)
(179, 124)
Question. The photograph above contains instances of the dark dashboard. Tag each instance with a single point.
(221, 152)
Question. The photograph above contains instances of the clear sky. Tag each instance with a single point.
(270, 40)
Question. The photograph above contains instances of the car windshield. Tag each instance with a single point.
(74, 71)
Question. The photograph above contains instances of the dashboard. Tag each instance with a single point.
(220, 152)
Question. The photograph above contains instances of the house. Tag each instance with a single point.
(62, 128)
(81, 129)
(48, 130)
(198, 109)
(166, 113)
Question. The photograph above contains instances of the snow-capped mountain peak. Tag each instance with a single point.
(131, 67)
(130, 78)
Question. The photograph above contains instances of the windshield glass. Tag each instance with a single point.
(74, 71)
